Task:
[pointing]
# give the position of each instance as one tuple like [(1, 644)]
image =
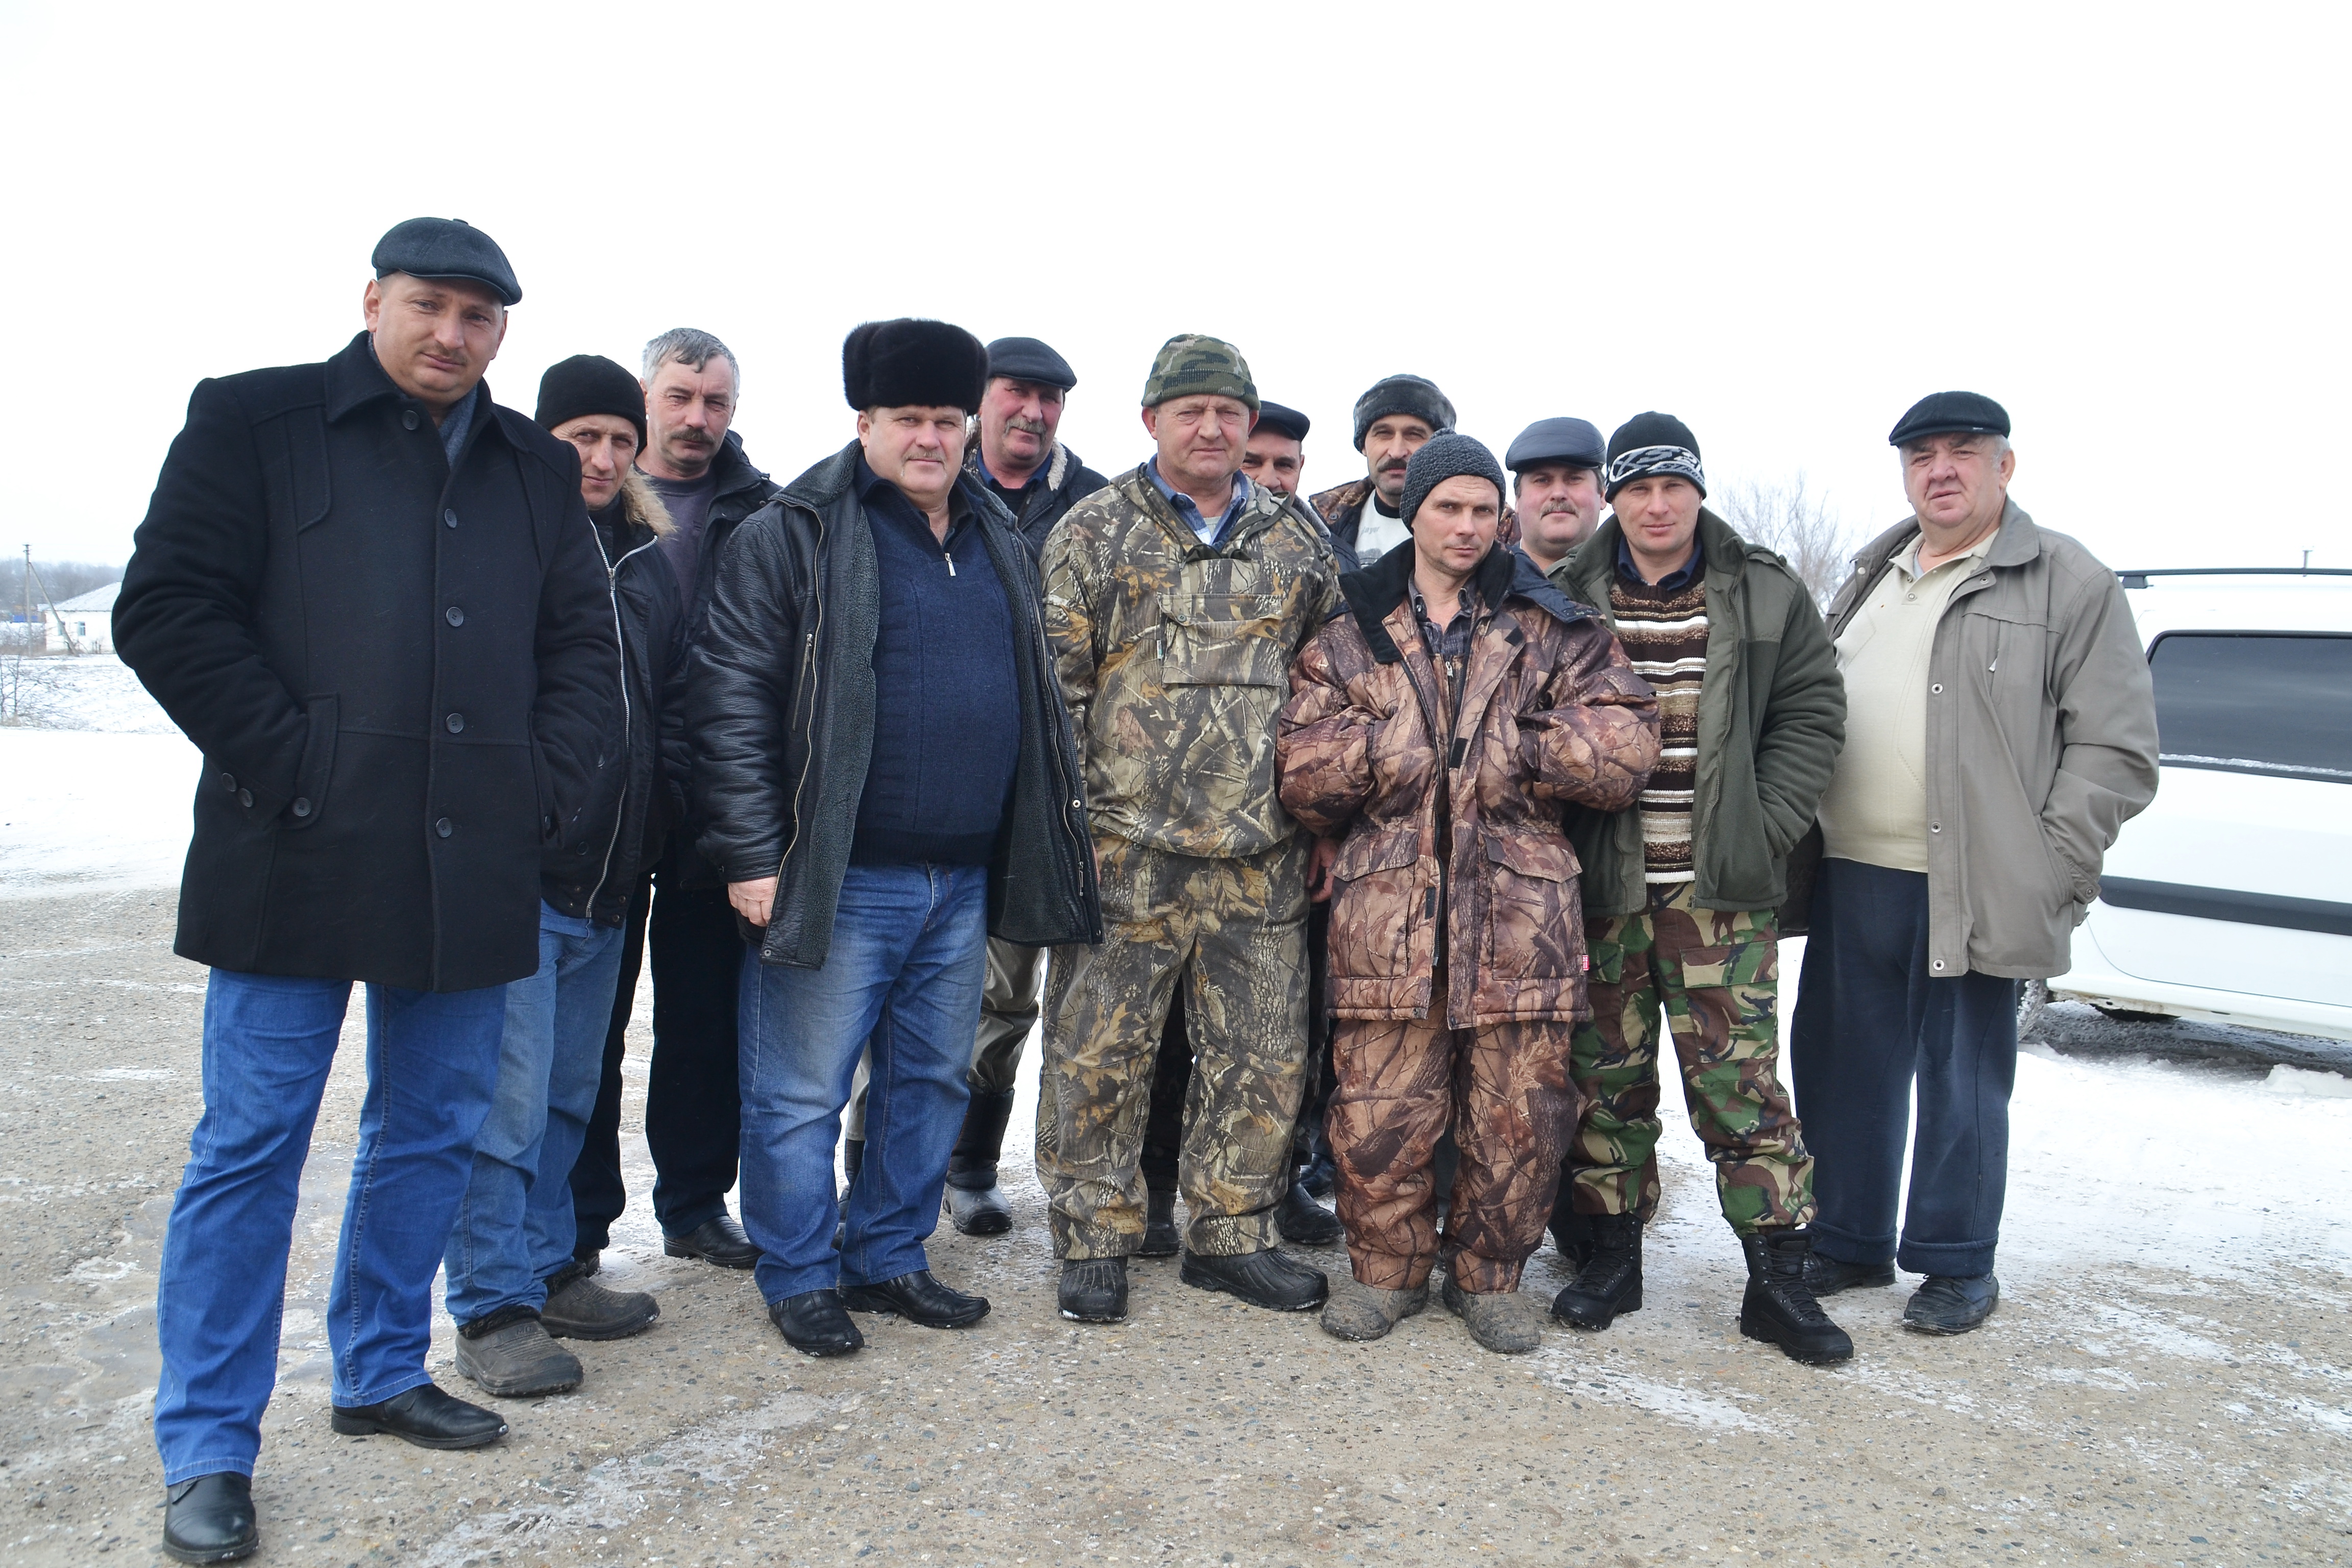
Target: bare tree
[(66, 579), (1796, 524)]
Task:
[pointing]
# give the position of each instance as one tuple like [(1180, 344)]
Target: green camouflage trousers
[(1234, 933), (1714, 975)]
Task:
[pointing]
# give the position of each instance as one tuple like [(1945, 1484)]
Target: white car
[(2230, 898)]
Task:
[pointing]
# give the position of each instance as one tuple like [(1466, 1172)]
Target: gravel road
[(2167, 1380)]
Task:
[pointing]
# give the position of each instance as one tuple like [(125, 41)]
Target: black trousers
[(1871, 1027), (693, 1097)]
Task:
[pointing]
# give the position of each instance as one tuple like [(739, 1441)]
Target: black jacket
[(781, 716), (594, 878), (743, 489), (403, 678), (1068, 481)]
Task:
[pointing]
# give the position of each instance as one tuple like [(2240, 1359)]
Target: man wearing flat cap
[(1175, 601), (1437, 728), (883, 772), (372, 598), (1275, 456), (1392, 418), (2001, 729), (1556, 485), (1680, 888)]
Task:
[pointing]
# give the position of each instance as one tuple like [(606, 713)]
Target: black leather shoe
[(919, 1299), (1610, 1280), (426, 1416), (1304, 1221), (1945, 1304), (814, 1323), (1828, 1276), (720, 1241), (1160, 1239), (1093, 1290), (1264, 1278), (210, 1519)]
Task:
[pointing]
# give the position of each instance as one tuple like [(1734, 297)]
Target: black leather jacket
[(781, 720)]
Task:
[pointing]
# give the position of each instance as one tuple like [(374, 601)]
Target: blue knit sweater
[(946, 713)]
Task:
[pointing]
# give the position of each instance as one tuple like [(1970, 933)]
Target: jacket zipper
[(808, 731), (611, 588)]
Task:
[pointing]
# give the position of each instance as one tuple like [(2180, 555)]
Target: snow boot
[(1505, 1322), (1358, 1312), (976, 1204), (1778, 1308), (1610, 1280), (1093, 1290), (1303, 1221), (1160, 1236)]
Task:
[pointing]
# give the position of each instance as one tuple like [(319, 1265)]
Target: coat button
[(1934, 827), (408, 418), (301, 806), (454, 615), (1938, 964), (449, 517), (442, 828), (456, 721), (1936, 690), (228, 783), (244, 798)]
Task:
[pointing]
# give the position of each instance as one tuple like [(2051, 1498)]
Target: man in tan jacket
[(2001, 729)]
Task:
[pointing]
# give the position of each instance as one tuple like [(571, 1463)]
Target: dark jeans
[(693, 1103), (1869, 1024)]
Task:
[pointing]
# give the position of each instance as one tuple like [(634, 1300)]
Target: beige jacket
[(2040, 744)]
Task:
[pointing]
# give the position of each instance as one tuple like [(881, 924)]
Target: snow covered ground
[(98, 782)]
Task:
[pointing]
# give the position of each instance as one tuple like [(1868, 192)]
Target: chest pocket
[(296, 471), (1223, 640)]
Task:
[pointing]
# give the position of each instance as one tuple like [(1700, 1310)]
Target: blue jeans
[(1871, 1022), (909, 958), (220, 1294), (514, 1225)]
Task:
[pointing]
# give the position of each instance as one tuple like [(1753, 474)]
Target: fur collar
[(641, 507)]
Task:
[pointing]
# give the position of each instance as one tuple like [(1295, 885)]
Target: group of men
[(1390, 832)]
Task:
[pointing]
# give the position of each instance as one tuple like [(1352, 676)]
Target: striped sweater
[(1664, 634)]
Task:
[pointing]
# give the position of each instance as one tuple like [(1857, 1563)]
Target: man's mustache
[(1030, 427)]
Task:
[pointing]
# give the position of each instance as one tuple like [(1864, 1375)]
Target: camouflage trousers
[(1505, 1091), (1715, 976), (1232, 934)]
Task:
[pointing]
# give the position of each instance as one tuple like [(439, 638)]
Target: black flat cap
[(913, 363), (1950, 414), (1030, 358), (1282, 421), (446, 247), (1562, 440)]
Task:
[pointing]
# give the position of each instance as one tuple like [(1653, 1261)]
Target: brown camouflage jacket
[(1550, 712), (1342, 509), (1171, 655)]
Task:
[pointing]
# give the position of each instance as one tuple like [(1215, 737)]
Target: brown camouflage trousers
[(1504, 1089), (1715, 976), (1232, 934)]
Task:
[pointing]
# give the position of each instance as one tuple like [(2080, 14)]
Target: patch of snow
[(92, 812), (2303, 1083)]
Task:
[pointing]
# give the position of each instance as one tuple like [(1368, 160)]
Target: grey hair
[(692, 347)]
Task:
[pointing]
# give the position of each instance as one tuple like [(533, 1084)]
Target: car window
[(2255, 702)]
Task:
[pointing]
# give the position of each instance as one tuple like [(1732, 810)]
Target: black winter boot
[(1610, 1280), (853, 1155), (975, 1204), (1305, 1222), (1159, 1236), (1779, 1308)]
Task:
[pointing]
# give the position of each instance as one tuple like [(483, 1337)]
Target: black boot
[(1160, 1237), (210, 1518), (1571, 1233), (1303, 1221), (975, 1203), (853, 1154), (1778, 1308), (1610, 1280)]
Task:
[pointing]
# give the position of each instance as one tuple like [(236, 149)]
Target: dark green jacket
[(1772, 719)]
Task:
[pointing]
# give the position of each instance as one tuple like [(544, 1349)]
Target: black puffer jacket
[(402, 674), (1037, 508), (781, 716), (594, 878)]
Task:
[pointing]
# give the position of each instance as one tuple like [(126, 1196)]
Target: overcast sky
[(1783, 223)]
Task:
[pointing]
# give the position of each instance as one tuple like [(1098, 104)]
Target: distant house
[(87, 618)]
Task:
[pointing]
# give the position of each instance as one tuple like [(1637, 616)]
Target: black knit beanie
[(1448, 455), (1414, 395), (589, 384), (1652, 443)]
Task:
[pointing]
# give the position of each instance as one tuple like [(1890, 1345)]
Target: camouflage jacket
[(1171, 656), (1549, 713), (1341, 508)]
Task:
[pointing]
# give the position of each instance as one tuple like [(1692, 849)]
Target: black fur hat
[(913, 363)]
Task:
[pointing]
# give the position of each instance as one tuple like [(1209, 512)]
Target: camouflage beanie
[(1192, 365), (1448, 455)]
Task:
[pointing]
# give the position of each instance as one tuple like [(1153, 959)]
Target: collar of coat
[(2018, 542), (827, 482), (1058, 467), (1592, 565), (1263, 510), (642, 508), (1341, 503), (1505, 574)]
